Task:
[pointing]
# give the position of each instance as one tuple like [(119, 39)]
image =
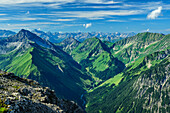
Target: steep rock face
[(24, 95), (153, 88), (130, 49), (29, 56)]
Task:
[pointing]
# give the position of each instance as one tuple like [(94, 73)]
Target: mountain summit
[(26, 36)]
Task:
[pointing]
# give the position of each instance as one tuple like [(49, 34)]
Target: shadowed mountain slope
[(30, 56)]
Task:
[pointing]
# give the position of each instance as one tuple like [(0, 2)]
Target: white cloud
[(147, 30), (27, 13), (30, 1), (4, 19), (32, 25), (46, 23), (91, 15), (138, 19), (93, 18), (98, 14), (154, 14), (116, 21), (43, 14), (87, 25), (63, 20), (100, 1), (26, 19), (22, 19), (2, 14), (69, 25)]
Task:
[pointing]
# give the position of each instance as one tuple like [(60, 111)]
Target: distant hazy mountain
[(6, 33), (80, 36)]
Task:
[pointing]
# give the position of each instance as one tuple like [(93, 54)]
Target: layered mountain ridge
[(80, 36)]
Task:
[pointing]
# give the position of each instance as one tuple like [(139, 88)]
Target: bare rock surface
[(27, 96)]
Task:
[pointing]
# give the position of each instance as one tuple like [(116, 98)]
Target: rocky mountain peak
[(27, 34)]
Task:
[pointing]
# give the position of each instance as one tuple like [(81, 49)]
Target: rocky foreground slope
[(18, 95)]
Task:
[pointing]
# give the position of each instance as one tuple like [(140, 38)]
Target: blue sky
[(86, 15)]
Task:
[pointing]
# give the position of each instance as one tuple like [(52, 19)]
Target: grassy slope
[(49, 68), (17, 62), (110, 95), (130, 49), (95, 57)]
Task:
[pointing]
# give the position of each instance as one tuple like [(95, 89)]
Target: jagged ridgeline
[(80, 36), (29, 56), (143, 86), (19, 95)]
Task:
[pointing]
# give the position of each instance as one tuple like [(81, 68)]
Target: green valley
[(95, 57)]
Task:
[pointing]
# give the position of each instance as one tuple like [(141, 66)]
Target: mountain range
[(80, 36), (102, 76), (58, 37)]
